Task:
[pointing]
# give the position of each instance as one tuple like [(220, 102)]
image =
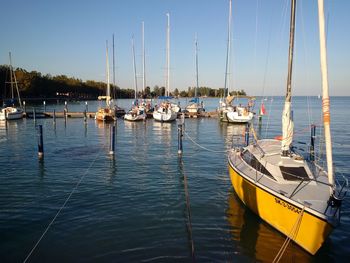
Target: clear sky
[(68, 37)]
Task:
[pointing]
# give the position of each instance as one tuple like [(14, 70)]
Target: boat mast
[(108, 92), (113, 63), (14, 79), (167, 81), (325, 95), (143, 59), (287, 122), (196, 59), (228, 51), (134, 66)]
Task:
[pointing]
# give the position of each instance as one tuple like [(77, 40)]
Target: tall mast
[(143, 58), (108, 92), (196, 60), (113, 63), (287, 122), (134, 66), (11, 76), (14, 79), (226, 85), (325, 95), (167, 81)]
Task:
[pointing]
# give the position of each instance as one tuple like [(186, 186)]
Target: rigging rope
[(188, 208), (64, 204), (204, 148)]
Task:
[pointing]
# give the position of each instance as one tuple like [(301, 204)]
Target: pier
[(62, 114)]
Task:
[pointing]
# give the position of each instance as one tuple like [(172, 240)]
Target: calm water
[(132, 207)]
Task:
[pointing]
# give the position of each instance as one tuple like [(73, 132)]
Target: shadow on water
[(257, 238)]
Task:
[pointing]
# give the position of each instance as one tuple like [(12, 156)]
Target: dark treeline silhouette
[(36, 85)]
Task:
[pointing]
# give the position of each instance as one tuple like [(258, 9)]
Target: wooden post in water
[(179, 139), (247, 134), (54, 116), (34, 114), (312, 146), (85, 116), (111, 140), (40, 142)]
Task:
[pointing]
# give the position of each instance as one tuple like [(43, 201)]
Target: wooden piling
[(112, 140), (34, 115), (179, 139), (54, 116), (312, 145), (40, 141), (247, 134)]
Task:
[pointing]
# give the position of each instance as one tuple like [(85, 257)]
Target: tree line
[(36, 85)]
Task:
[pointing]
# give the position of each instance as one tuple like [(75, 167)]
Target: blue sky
[(68, 37)]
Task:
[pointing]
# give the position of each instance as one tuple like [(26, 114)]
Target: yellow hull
[(309, 233), (104, 115)]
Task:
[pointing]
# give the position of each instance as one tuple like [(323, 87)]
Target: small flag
[(262, 110)]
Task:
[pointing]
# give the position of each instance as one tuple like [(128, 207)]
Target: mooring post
[(44, 102), (65, 106), (247, 134), (54, 116), (112, 139), (312, 146), (179, 139), (40, 142), (86, 106), (85, 116), (34, 114)]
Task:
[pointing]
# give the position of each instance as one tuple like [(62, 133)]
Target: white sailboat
[(106, 113), (228, 112), (166, 111), (146, 104), (195, 106), (136, 113), (292, 193), (9, 110)]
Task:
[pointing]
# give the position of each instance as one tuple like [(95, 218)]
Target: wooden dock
[(209, 114)]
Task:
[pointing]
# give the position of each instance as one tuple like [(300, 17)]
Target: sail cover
[(287, 127)]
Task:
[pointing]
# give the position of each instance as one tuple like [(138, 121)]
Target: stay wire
[(61, 208)]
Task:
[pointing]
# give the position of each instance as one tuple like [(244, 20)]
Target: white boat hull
[(135, 117), (11, 113), (165, 116)]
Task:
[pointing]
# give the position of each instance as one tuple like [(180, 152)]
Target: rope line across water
[(200, 146), (64, 204)]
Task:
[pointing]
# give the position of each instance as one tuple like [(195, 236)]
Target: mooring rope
[(291, 236), (64, 204), (188, 208), (200, 146)]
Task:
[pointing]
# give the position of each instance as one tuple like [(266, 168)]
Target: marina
[(139, 212), (163, 132)]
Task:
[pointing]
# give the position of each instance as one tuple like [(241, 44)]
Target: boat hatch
[(294, 173), (251, 160)]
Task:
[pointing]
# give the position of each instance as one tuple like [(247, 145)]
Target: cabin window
[(294, 173), (254, 163)]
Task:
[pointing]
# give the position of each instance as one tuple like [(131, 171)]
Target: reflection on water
[(256, 237), (233, 133)]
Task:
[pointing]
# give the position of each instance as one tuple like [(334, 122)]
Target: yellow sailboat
[(106, 113), (294, 195)]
